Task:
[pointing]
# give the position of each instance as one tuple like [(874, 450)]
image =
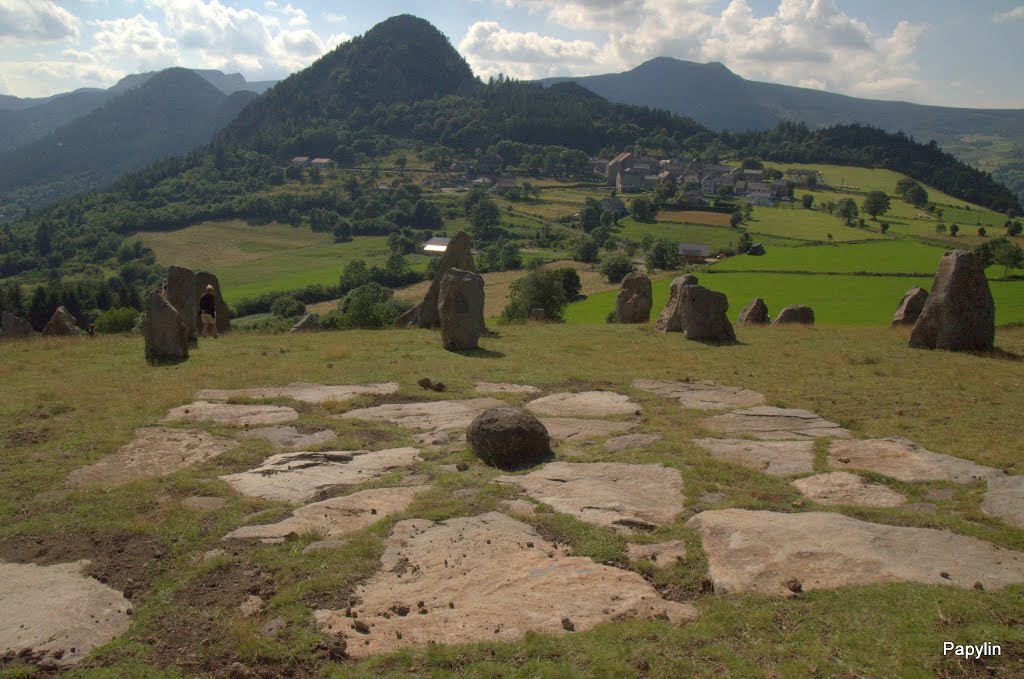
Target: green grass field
[(837, 300), (250, 260), (880, 256), (186, 619)]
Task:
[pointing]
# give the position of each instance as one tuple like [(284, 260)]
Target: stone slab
[(232, 415), (290, 436), (302, 391), (484, 578), (1005, 499), (905, 460), (574, 428), (775, 458), (770, 423), (428, 415), (771, 553), (297, 477), (612, 494), (505, 388), (702, 395), (56, 612), (336, 517), (584, 404), (152, 452), (843, 488)]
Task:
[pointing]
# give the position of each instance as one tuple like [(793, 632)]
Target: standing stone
[(459, 255), (308, 323), (798, 314), (203, 279), (61, 324), (181, 289), (698, 313), (166, 331), (460, 308), (910, 307), (755, 313), (688, 279), (960, 314), (633, 305), (12, 327)]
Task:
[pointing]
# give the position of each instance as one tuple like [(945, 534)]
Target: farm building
[(437, 245), (694, 253)]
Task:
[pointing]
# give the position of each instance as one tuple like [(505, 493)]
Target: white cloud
[(1015, 14), (135, 43), (334, 18), (810, 43), (36, 20), (491, 49)]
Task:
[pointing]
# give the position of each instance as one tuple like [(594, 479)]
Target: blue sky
[(949, 52)]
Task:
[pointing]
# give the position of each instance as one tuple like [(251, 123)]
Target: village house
[(437, 245), (300, 161), (322, 163), (618, 164), (694, 253), (627, 182)]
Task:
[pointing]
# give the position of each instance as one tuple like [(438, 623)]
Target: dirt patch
[(26, 436), (127, 562)]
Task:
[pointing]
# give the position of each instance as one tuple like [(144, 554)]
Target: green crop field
[(715, 236), (865, 179), (813, 225), (836, 299), (880, 256), (250, 260)]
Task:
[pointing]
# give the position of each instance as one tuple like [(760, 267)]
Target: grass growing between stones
[(68, 403)]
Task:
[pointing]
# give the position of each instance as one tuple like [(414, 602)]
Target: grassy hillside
[(186, 619)]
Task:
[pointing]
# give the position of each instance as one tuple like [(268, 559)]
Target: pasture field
[(793, 221), (186, 608), (716, 236), (865, 179), (837, 300), (250, 260), (694, 217), (879, 256)]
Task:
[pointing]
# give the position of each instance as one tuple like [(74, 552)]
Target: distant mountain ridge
[(720, 99), (171, 113)]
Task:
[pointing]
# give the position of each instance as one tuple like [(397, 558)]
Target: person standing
[(208, 312)]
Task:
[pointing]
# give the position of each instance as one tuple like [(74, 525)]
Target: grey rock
[(960, 314), (798, 314), (910, 307), (755, 313), (12, 327), (181, 287), (61, 324), (633, 304), (460, 309), (459, 255), (698, 313), (166, 331), (308, 323), (509, 438)]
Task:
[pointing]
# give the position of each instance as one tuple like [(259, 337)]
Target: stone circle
[(584, 404), (302, 391), (486, 577), (702, 395), (770, 423), (612, 494), (297, 477), (765, 552), (843, 488), (775, 458), (903, 459), (231, 414), (153, 451), (335, 517)]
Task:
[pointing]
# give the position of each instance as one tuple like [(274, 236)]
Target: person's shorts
[(208, 319)]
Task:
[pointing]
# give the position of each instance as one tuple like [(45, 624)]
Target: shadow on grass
[(478, 353), (1000, 354)]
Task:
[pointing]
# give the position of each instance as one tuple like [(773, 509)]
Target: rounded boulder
[(509, 438)]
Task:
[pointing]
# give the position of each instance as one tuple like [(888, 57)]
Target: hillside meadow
[(186, 620)]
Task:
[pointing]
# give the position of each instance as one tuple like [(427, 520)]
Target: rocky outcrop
[(910, 307), (203, 279), (166, 331), (509, 438), (308, 323), (460, 309), (12, 327), (960, 314), (633, 304), (458, 255), (795, 315), (61, 324), (755, 313), (181, 293), (698, 313)]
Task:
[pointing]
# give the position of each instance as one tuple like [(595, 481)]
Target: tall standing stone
[(698, 313), (755, 313), (203, 279), (460, 308), (61, 324), (910, 307), (633, 304), (12, 327), (181, 294), (458, 255), (165, 330), (960, 314), (795, 315)]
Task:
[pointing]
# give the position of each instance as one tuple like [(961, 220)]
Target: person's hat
[(209, 288)]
